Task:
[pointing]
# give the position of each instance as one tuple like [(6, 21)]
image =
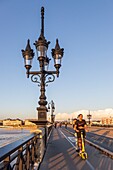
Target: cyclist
[(74, 121), (76, 141), (80, 126), (66, 124)]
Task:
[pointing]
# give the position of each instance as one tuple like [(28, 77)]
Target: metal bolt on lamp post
[(42, 77), (51, 108)]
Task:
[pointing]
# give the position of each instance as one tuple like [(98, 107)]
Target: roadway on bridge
[(61, 155)]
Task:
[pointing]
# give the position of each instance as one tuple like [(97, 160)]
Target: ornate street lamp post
[(43, 76), (51, 108), (89, 116)]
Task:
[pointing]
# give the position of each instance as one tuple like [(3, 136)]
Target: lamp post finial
[(42, 21)]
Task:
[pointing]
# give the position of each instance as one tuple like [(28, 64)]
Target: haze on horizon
[(96, 115)]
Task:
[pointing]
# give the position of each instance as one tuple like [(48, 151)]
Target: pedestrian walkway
[(61, 155)]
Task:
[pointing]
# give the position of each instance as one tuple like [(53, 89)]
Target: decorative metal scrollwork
[(36, 79), (50, 78)]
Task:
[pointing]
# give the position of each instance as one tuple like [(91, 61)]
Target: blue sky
[(85, 31)]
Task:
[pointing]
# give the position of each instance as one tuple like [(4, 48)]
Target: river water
[(9, 135)]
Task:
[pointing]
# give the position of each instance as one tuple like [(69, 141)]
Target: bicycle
[(83, 154)]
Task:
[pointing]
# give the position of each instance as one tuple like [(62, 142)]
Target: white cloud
[(98, 114)]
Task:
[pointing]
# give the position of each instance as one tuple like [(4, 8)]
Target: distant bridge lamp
[(51, 108), (89, 116)]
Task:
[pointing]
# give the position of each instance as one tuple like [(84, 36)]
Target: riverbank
[(19, 127)]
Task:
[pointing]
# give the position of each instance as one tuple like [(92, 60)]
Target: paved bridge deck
[(61, 155)]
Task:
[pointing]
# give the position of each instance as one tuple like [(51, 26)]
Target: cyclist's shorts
[(79, 134)]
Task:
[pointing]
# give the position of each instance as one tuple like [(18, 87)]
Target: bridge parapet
[(25, 153)]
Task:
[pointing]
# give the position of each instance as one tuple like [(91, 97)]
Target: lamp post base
[(40, 123), (42, 117), (42, 113)]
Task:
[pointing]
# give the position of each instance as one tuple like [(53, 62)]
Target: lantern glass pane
[(41, 51), (57, 61), (46, 65), (28, 60)]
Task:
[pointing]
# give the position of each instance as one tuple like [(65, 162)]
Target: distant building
[(29, 123), (95, 122), (107, 121), (1, 122), (12, 122)]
